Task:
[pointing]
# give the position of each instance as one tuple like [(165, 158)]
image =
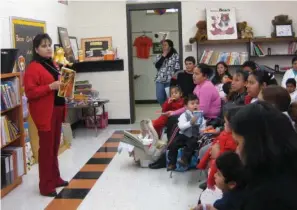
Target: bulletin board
[(23, 33)]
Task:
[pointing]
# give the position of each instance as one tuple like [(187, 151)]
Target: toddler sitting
[(190, 123), (173, 103), (224, 142)]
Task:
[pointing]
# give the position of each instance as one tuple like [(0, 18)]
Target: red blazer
[(226, 142), (174, 105), (40, 97)]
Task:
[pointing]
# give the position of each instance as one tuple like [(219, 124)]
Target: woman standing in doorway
[(47, 111), (166, 64)]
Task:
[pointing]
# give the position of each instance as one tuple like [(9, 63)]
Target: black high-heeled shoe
[(52, 194), (64, 184)]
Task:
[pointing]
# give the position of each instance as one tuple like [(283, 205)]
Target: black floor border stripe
[(81, 193)]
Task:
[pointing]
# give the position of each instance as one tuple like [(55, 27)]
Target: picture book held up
[(67, 80)]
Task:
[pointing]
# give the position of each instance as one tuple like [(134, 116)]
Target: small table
[(91, 104)]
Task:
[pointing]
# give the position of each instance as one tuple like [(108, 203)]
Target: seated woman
[(221, 77), (266, 143), (210, 104), (257, 81), (292, 73), (209, 98)]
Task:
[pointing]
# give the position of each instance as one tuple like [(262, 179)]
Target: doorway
[(142, 71)]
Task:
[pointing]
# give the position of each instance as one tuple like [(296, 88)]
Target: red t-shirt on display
[(143, 45)]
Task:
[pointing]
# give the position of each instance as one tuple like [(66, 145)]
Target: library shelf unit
[(247, 43), (15, 114)]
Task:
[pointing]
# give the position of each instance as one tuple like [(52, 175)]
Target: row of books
[(292, 49), (10, 93), (9, 130), (12, 165), (256, 49), (212, 57)]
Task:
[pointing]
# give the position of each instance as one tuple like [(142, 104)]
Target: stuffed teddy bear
[(247, 33), (281, 20), (240, 28), (201, 33)]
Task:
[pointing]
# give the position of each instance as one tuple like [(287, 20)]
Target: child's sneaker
[(184, 163), (171, 167)]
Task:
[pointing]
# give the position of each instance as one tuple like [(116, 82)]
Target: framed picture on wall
[(284, 30), (221, 23), (66, 44), (94, 48), (74, 46)]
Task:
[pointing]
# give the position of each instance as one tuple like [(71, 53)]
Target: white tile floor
[(123, 185)]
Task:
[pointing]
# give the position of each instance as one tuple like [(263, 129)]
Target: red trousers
[(159, 124), (49, 143)]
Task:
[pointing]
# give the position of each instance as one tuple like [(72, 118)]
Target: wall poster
[(221, 23)]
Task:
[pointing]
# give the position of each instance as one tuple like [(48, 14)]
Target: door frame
[(139, 7)]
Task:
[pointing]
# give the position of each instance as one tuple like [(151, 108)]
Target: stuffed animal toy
[(240, 28), (247, 33), (281, 20), (244, 31), (59, 57), (201, 33)]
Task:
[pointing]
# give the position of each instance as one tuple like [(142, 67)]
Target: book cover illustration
[(29, 153), (67, 80), (221, 24)]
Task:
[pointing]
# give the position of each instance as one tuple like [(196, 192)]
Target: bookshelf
[(246, 45), (12, 133)]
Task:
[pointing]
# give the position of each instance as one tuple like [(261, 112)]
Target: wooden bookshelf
[(271, 39), (227, 41), (247, 43), (16, 115)]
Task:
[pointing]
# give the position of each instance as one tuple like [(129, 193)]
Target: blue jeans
[(161, 93)]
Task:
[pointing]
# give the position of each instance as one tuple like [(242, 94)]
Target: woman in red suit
[(47, 111)]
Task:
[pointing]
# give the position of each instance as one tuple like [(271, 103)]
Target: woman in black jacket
[(267, 145)]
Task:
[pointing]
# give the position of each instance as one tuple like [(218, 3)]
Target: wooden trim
[(147, 6), (146, 102), (9, 188), (276, 39), (227, 41), (9, 75), (119, 121)]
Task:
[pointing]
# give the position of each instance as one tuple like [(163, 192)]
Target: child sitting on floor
[(238, 88), (173, 103), (190, 125), (224, 142), (230, 179), (291, 88)]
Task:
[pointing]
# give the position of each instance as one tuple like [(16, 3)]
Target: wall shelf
[(247, 43), (229, 41), (99, 66)]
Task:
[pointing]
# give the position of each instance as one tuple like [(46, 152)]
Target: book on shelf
[(10, 93), (9, 130), (28, 149), (292, 49), (12, 165), (256, 49), (211, 57)]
